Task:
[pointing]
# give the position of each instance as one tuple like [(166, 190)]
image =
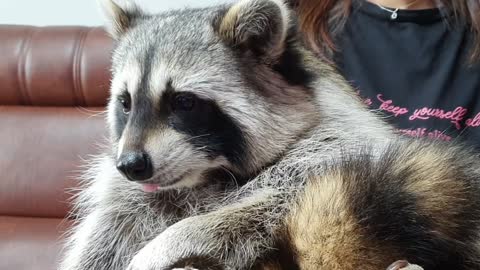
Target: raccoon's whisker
[(202, 148), (91, 113), (196, 137), (231, 175)]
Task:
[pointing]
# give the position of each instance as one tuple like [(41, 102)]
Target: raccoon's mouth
[(151, 186)]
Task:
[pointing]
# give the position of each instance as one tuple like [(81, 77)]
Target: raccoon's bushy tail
[(419, 202)]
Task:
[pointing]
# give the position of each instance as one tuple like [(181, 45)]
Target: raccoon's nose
[(136, 166)]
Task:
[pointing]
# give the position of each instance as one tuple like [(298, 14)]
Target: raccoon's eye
[(184, 102), (125, 101)]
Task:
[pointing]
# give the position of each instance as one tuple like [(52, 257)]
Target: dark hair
[(321, 20)]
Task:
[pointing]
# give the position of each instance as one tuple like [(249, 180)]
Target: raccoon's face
[(200, 90)]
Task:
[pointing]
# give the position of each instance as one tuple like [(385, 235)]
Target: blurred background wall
[(76, 12)]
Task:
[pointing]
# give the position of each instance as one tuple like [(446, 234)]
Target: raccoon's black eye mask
[(208, 127), (183, 102), (185, 111)]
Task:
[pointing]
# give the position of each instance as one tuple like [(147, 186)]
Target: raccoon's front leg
[(112, 227), (101, 241), (234, 236)]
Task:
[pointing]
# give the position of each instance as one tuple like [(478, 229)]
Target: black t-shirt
[(415, 69)]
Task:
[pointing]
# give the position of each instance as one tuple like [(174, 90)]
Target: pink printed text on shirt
[(455, 116), (388, 106)]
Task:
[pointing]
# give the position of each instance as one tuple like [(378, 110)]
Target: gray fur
[(301, 127)]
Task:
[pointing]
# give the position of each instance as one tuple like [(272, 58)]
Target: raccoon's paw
[(170, 250), (403, 265), (186, 244)]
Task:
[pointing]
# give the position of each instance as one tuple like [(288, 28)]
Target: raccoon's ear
[(119, 18), (260, 26)]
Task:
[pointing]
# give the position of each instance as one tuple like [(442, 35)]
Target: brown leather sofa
[(53, 83)]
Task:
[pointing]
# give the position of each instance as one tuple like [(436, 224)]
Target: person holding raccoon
[(233, 145), (415, 60)]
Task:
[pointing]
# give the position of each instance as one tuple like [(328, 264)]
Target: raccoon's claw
[(403, 265)]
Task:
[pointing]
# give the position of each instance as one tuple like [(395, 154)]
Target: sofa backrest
[(53, 87)]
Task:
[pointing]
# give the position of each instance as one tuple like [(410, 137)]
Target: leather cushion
[(54, 66), (30, 243), (41, 154)]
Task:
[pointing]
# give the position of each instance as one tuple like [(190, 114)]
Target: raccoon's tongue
[(149, 188)]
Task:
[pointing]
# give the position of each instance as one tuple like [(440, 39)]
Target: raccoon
[(234, 147)]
